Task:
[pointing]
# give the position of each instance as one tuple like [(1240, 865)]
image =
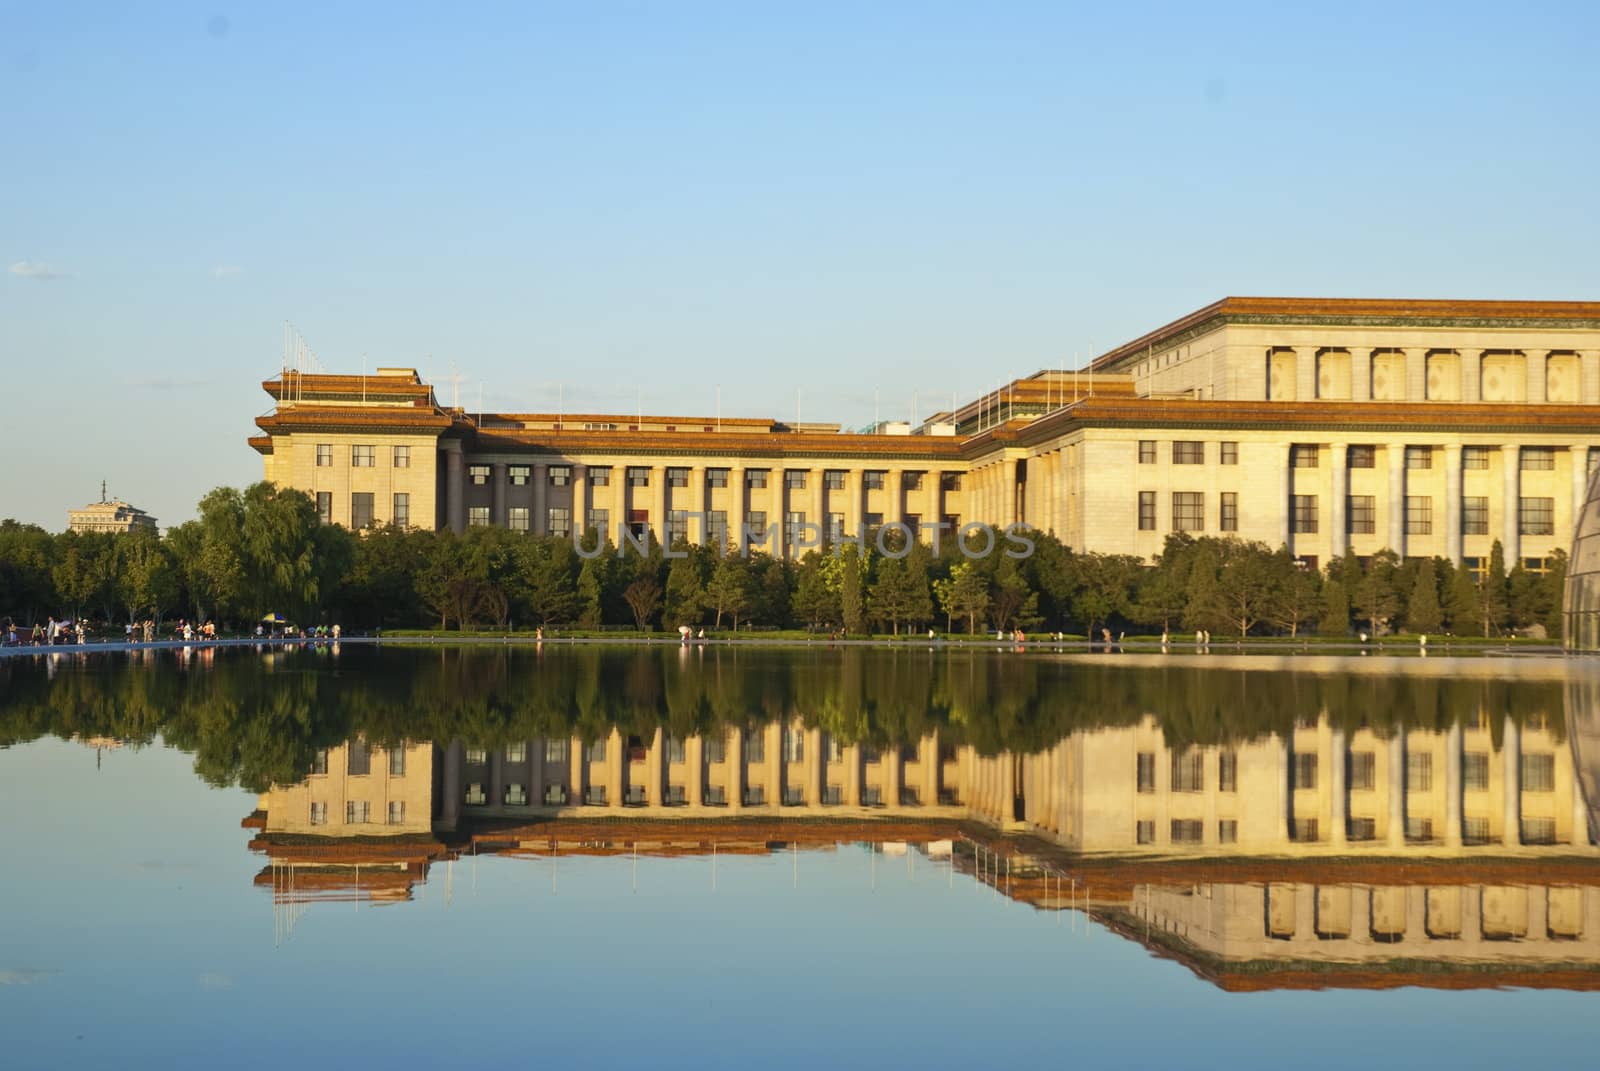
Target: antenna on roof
[(719, 406), (102, 490)]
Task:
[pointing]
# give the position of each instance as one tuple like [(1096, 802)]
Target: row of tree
[(262, 551)]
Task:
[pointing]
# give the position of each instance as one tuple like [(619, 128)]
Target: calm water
[(733, 858)]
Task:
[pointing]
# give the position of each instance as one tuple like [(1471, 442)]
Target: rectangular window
[(755, 748), (397, 812), (560, 521), (794, 479), (715, 749), (1147, 511), (401, 512), (1187, 831), (1419, 457), (951, 481), (1419, 829), (1228, 831), (1147, 451), (599, 519), (357, 812), (1474, 831), (478, 516), (319, 814), (716, 477), (1363, 775), (1146, 769), (1419, 771), (1305, 514), (638, 476), (1538, 831), (835, 526), (1304, 772), (1419, 515), (833, 480), (600, 477), (911, 481), (677, 477), (402, 457), (1475, 771), (1363, 457), (325, 507), (1303, 830), (397, 762), (362, 457), (1188, 452), (756, 479), (560, 475), (1229, 453), (1361, 511), (1227, 771), (478, 474), (1304, 455), (1363, 829), (755, 524), (517, 752), (1188, 511), (717, 527), (319, 761), (1229, 512), (1474, 457), (597, 751), (477, 756), (873, 480), (794, 745), (324, 455), (517, 518), (1536, 516), (1538, 773), (556, 751), (792, 523), (1475, 515), (677, 526), (520, 475), (361, 509), (1145, 831), (1538, 458), (1188, 771)]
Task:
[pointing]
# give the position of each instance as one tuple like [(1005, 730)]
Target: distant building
[(109, 515)]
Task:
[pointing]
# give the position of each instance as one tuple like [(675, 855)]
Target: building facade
[(109, 515), (1330, 426)]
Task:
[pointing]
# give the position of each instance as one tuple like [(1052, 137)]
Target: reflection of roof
[(688, 837)]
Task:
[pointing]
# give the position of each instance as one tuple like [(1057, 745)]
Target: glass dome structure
[(1581, 601)]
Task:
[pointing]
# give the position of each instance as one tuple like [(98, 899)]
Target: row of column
[(1468, 388)]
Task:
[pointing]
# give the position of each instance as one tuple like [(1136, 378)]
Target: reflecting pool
[(734, 857)]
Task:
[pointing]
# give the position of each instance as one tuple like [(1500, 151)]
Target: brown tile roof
[(323, 384), (365, 418), (763, 447)]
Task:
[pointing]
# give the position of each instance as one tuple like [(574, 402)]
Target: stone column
[(1589, 367), (1471, 375), (1285, 490), (658, 505), (619, 503), (1416, 374), (1397, 498), (580, 499), (1305, 373), (1511, 782), (1397, 790), (539, 524), (1008, 506), (819, 501), (854, 479), (498, 513), (1360, 374), (1580, 481), (1511, 515), (777, 497), (1452, 786), (455, 499), (932, 483), (699, 501), (1340, 526), (1535, 361), (1452, 502), (736, 513), (894, 484)]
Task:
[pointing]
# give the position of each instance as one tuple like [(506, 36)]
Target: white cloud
[(23, 975), (225, 271), (33, 269)]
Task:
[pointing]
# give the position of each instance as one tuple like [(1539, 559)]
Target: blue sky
[(643, 201)]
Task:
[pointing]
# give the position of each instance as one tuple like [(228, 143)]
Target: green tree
[(728, 591), (147, 580), (1463, 608), (964, 594), (643, 597), (852, 590), (1011, 602), (1376, 598), (1423, 612), (1296, 593), (1493, 598), (685, 595), (1246, 588)]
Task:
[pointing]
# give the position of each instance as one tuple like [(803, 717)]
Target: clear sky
[(644, 201)]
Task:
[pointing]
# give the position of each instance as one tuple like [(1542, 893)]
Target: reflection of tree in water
[(253, 721)]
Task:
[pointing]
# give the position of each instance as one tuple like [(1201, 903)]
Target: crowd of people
[(52, 632)]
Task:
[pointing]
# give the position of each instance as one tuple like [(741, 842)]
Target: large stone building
[(109, 515), (1329, 426)]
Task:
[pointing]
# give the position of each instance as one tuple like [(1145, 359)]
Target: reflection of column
[(1361, 915), (1008, 787), (536, 771), (1510, 463), (694, 769), (774, 733), (616, 760), (1338, 756), (1397, 789), (1339, 527), (454, 758), (1539, 912), (1397, 498), (1511, 782), (892, 775), (735, 764), (497, 777), (1452, 502), (852, 775), (654, 773), (577, 771), (1452, 786), (816, 767), (1580, 811), (1285, 793), (929, 760)]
